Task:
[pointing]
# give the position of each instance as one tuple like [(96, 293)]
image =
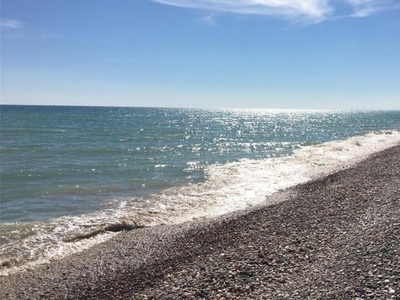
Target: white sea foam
[(239, 185), (227, 188)]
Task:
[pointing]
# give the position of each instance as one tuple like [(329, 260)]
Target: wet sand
[(337, 237)]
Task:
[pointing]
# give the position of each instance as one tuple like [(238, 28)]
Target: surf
[(226, 188)]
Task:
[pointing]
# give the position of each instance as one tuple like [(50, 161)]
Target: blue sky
[(339, 54)]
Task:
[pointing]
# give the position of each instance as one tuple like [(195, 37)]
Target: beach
[(336, 237)]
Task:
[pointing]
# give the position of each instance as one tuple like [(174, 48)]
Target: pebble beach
[(337, 237)]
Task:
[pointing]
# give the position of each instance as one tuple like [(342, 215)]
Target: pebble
[(332, 238)]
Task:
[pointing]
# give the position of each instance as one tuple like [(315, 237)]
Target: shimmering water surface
[(69, 169)]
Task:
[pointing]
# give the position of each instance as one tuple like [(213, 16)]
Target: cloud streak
[(293, 10), (364, 8), (10, 24)]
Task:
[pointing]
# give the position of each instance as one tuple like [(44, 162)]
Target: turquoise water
[(70, 160), (68, 170)]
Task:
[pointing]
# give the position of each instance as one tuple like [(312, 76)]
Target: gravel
[(337, 237)]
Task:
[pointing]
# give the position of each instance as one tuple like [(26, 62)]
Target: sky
[(294, 54)]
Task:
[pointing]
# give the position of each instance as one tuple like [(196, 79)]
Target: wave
[(228, 187)]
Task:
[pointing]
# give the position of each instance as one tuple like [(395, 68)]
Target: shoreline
[(334, 237), (225, 188)]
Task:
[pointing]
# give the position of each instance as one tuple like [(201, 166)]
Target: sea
[(71, 176)]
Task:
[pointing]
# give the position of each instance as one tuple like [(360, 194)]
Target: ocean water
[(71, 171)]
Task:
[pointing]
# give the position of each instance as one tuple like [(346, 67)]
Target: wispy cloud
[(10, 24), (293, 10), (209, 20), (290, 9), (364, 8)]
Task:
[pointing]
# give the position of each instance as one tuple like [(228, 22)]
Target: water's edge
[(228, 188)]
